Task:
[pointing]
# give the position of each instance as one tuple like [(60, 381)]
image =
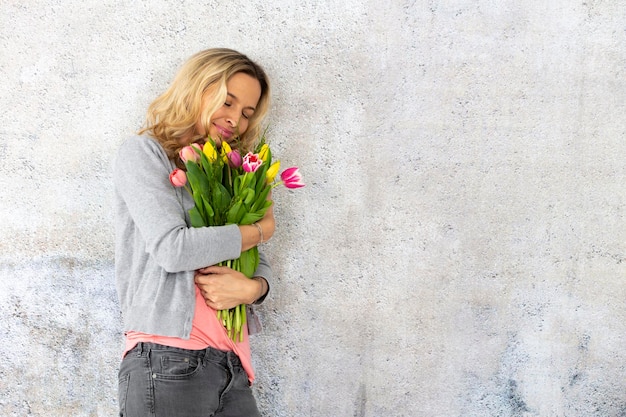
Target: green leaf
[(196, 218), (220, 197), (252, 182), (249, 261), (197, 199), (248, 196), (197, 178), (207, 207), (250, 218), (193, 176), (262, 180), (213, 169), (233, 216), (227, 174), (245, 181), (237, 185), (261, 198)]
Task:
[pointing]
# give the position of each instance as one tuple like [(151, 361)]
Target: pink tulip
[(234, 159), (292, 178), (251, 162), (178, 178), (189, 153)]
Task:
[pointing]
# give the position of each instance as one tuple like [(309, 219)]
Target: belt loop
[(139, 348)]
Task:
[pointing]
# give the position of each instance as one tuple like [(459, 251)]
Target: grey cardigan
[(156, 251)]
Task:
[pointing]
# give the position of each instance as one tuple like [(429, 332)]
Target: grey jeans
[(162, 381)]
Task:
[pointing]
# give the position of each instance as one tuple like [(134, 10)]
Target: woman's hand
[(224, 288)]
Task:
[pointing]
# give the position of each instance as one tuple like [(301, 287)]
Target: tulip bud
[(264, 152), (189, 153), (210, 152), (226, 149), (234, 159), (251, 162), (178, 178), (272, 171), (292, 178)]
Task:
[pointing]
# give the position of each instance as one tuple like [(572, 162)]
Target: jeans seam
[(230, 382), (151, 400)]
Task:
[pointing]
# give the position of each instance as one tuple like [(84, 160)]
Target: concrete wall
[(459, 249)]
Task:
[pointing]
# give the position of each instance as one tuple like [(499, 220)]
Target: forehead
[(244, 88)]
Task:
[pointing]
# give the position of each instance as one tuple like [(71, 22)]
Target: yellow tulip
[(272, 171), (225, 151), (226, 148), (210, 152), (264, 152)]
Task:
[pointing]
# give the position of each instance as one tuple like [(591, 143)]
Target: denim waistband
[(210, 354)]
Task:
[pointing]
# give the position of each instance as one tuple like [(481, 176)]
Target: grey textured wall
[(460, 247)]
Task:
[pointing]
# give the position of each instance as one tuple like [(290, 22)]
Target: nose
[(232, 117)]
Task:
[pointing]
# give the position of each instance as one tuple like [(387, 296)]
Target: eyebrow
[(234, 97)]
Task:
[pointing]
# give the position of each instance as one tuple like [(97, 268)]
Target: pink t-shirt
[(206, 331)]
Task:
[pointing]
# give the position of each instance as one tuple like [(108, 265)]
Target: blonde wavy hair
[(173, 115)]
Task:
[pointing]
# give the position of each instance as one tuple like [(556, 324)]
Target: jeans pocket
[(175, 365), (122, 393)]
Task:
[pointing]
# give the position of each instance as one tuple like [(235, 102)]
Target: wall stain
[(361, 401), (514, 399)]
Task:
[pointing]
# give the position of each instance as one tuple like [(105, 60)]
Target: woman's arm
[(150, 209), (224, 288), (253, 235)]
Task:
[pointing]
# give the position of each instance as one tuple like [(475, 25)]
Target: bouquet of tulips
[(230, 189)]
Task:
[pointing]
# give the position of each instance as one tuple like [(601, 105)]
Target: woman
[(179, 360)]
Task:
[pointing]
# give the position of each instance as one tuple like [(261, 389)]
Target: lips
[(223, 132)]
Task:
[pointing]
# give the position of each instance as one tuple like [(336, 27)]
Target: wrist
[(261, 291), (268, 226), (260, 230), (250, 236)]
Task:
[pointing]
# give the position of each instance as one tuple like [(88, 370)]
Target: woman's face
[(232, 119)]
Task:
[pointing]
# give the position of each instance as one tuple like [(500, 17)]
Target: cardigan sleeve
[(265, 271), (153, 209)]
